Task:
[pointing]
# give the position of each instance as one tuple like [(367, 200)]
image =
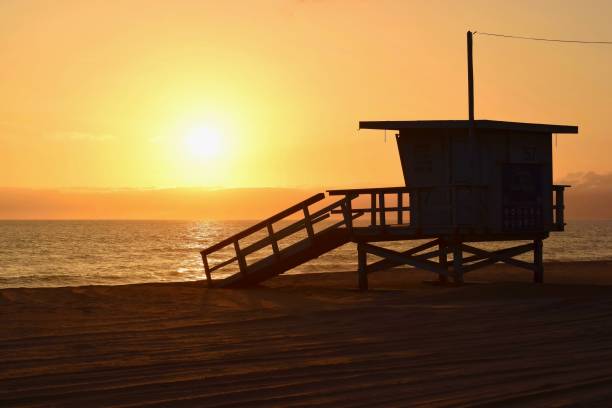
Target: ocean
[(73, 253)]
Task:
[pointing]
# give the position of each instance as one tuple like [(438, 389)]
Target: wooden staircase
[(281, 260)]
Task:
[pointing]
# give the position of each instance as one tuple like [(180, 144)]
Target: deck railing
[(410, 203), (378, 209), (273, 237)]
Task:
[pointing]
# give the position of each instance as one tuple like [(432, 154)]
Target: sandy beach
[(313, 340)]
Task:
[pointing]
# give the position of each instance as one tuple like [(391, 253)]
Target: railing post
[(559, 207), (308, 223), (373, 209), (348, 214), (273, 240), (241, 261), (400, 204), (381, 201), (206, 270)]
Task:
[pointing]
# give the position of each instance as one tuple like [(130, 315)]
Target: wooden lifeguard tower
[(466, 181)]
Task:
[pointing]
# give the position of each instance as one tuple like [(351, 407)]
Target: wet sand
[(313, 340)]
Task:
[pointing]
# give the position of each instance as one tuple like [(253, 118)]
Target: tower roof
[(465, 124)]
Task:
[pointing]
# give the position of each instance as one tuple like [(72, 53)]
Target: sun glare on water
[(204, 142)]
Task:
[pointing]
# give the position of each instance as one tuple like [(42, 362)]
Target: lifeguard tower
[(466, 181)]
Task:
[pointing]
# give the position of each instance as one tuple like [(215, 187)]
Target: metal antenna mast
[(470, 78)]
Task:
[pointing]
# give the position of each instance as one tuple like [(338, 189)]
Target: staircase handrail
[(263, 224)]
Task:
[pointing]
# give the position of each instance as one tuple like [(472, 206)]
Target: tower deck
[(388, 214)]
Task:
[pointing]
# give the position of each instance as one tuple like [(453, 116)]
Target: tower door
[(522, 197)]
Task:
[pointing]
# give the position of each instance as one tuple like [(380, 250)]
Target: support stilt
[(458, 263), (361, 267), (538, 265), (443, 259)]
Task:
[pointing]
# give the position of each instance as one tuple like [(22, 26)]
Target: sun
[(204, 142)]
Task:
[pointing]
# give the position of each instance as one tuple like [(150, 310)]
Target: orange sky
[(105, 94)]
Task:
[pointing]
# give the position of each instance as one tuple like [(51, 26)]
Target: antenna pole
[(470, 77)]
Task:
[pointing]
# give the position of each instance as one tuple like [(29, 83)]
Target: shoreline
[(290, 274)]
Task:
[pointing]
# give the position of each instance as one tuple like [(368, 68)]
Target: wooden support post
[(381, 202), (241, 261), (372, 209), (275, 248), (415, 210), (308, 223), (443, 259), (458, 263), (400, 204), (206, 270), (453, 197), (538, 264), (362, 259)]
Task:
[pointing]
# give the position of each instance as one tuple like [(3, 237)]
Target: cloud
[(590, 195), (77, 135), (589, 180), (175, 203), (12, 129)]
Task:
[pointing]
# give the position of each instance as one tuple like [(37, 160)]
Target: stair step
[(289, 258)]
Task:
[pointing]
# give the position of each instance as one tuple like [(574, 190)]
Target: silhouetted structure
[(465, 182)]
